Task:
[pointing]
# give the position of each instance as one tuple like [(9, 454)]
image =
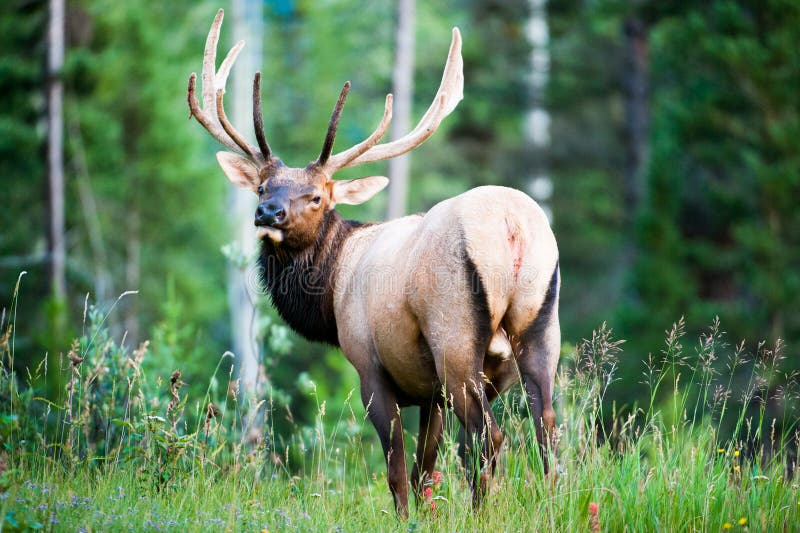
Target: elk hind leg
[(537, 356)]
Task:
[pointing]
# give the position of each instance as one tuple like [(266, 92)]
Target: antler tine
[(210, 64), (451, 91), (258, 119), (327, 146), (205, 120), (231, 131), (221, 79), (210, 117), (343, 159)]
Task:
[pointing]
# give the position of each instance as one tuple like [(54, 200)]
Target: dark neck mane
[(300, 283)]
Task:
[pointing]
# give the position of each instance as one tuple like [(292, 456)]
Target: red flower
[(594, 520), (437, 478), (433, 506), (428, 493)]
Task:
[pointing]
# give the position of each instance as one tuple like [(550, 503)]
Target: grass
[(123, 450), (688, 490)]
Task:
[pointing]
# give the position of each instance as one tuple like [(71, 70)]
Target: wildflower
[(736, 468), (721, 450), (742, 521), (427, 493), (727, 525), (594, 520), (437, 478), (736, 453), (433, 506)]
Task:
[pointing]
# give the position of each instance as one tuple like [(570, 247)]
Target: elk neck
[(301, 282)]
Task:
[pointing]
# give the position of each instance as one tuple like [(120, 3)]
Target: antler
[(451, 91), (327, 146), (212, 116), (258, 118)]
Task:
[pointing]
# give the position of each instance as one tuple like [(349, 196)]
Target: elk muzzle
[(271, 213)]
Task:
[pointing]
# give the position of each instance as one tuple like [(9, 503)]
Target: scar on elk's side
[(516, 244)]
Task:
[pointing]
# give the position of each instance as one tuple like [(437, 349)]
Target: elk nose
[(269, 214)]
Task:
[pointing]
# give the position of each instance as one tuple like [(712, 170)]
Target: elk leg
[(482, 434), (538, 359), (380, 401), (431, 424)]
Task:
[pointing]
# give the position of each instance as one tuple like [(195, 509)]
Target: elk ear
[(239, 170), (358, 191)]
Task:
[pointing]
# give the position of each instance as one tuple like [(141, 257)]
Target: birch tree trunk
[(403, 90), (55, 147), (247, 24), (537, 123)]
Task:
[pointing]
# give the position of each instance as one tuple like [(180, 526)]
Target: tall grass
[(123, 449)]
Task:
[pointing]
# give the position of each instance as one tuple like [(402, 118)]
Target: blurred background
[(661, 136)]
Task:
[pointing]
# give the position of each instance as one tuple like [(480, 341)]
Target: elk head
[(293, 201)]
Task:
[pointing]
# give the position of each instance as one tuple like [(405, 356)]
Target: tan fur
[(400, 280)]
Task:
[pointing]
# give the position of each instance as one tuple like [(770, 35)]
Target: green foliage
[(177, 343), (22, 47), (586, 159), (714, 232), (143, 207), (145, 163), (718, 231)]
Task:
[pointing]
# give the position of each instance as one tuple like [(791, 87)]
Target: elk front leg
[(431, 424), (380, 401)]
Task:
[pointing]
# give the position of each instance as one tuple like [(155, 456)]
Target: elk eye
[(260, 189), (316, 199)]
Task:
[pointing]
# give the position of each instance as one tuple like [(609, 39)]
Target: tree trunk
[(55, 148), (537, 120), (247, 24), (403, 89)]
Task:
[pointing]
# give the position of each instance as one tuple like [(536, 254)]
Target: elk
[(445, 309)]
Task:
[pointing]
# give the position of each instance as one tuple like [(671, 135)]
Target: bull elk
[(449, 308)]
